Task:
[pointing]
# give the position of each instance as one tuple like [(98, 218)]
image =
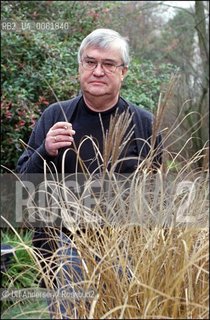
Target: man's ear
[(124, 72)]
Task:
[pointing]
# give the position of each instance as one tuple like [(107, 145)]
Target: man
[(63, 128), (103, 60)]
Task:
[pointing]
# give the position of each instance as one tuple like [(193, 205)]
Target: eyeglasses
[(108, 67)]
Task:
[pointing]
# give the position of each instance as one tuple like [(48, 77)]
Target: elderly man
[(103, 60), (63, 127)]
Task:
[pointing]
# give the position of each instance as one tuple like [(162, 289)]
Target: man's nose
[(98, 70)]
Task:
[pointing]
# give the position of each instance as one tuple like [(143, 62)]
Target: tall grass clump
[(142, 239)]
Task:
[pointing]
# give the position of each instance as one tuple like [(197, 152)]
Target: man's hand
[(59, 136)]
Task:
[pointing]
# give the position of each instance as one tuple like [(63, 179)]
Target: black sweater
[(31, 161), (82, 119)]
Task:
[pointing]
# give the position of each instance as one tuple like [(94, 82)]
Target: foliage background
[(41, 67)]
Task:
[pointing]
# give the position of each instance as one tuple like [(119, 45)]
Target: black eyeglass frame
[(102, 66)]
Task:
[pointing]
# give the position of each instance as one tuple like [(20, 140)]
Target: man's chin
[(95, 93)]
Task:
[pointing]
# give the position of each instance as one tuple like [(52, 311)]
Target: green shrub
[(21, 273), (40, 67), (145, 81)]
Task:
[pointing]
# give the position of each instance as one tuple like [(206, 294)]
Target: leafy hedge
[(40, 67)]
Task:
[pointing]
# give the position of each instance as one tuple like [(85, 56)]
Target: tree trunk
[(201, 27)]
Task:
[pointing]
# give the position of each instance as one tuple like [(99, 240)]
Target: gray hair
[(105, 39)]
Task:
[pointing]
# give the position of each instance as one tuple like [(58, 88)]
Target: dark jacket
[(31, 161)]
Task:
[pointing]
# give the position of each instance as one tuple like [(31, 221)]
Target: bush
[(37, 68), (40, 67), (145, 81), (21, 273)]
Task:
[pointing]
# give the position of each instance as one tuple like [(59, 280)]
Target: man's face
[(98, 82)]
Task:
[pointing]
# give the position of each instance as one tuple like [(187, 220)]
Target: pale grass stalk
[(93, 305), (136, 229)]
